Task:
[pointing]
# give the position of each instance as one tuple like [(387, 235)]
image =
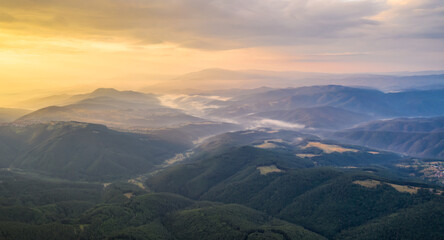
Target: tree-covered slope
[(35, 208), (419, 222), (323, 199), (194, 179), (420, 137), (82, 151), (123, 109), (360, 100)]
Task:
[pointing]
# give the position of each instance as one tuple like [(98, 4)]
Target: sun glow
[(84, 44)]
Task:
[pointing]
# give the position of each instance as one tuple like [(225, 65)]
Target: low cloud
[(271, 123), (195, 105)]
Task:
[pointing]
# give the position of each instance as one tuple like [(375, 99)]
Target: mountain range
[(325, 117), (324, 200), (420, 137), (73, 150), (112, 108), (216, 78), (318, 162), (365, 101)]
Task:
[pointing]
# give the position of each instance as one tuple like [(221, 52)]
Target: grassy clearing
[(329, 148), (269, 169)]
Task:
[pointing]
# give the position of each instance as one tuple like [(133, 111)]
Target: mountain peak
[(104, 91)]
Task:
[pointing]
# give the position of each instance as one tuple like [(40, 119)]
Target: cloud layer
[(219, 24)]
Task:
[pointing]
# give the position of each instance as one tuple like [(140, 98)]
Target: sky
[(54, 45)]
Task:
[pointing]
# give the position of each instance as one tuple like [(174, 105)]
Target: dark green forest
[(223, 196)]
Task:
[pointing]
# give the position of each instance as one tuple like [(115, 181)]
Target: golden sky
[(49, 46)]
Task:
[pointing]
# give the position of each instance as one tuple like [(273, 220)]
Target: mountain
[(38, 208), (73, 150), (11, 114), (216, 78), (252, 199), (403, 225), (254, 137), (317, 117), (193, 133), (131, 96), (122, 109), (360, 100), (41, 102), (308, 147), (233, 92), (69, 180), (195, 179), (322, 199), (168, 167), (421, 137), (433, 124), (168, 216), (66, 99)]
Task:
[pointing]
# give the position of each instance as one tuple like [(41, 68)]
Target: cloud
[(302, 33), (218, 24), (195, 105), (413, 19), (271, 123)]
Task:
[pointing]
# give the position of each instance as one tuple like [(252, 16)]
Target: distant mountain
[(81, 151), (234, 92), (365, 101), (131, 96), (215, 78), (123, 109), (11, 114), (433, 124), (41, 102), (317, 117), (421, 137)]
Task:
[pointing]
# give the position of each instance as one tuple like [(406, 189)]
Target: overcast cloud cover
[(222, 24), (190, 35)]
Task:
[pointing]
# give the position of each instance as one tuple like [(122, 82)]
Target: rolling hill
[(322, 199), (403, 225), (433, 124), (216, 78), (360, 100), (421, 137), (75, 150), (123, 109), (36, 208), (305, 146)]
